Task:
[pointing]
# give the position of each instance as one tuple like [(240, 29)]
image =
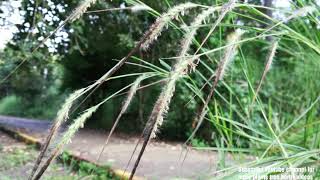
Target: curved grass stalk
[(78, 123), (62, 116), (71, 128), (124, 108), (229, 55), (226, 8), (267, 67), (189, 36)]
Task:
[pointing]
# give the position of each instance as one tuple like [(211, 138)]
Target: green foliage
[(85, 169), (11, 105), (17, 157)]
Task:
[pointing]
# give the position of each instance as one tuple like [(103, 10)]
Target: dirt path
[(161, 160), (16, 160)]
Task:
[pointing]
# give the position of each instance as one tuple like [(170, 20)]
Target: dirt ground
[(162, 160), (16, 161)]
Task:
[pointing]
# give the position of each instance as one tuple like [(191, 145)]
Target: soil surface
[(16, 161), (160, 161)]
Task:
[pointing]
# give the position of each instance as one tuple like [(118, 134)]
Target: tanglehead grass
[(265, 130)]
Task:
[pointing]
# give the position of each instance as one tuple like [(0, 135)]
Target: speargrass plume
[(270, 57), (164, 20), (162, 106), (139, 7), (229, 55), (62, 115), (76, 125), (188, 37), (226, 8), (81, 9), (124, 108)]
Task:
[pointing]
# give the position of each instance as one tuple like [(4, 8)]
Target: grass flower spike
[(164, 20)]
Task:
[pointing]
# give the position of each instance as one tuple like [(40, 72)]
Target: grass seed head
[(164, 20), (191, 32), (82, 8)]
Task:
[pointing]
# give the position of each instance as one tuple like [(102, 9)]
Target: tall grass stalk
[(226, 8), (124, 108), (229, 55), (270, 57), (180, 68), (62, 116), (74, 127), (151, 34)]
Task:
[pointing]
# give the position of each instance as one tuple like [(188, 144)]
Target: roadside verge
[(37, 143)]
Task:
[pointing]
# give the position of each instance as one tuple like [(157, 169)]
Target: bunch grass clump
[(185, 64)]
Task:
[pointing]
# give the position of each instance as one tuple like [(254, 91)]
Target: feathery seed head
[(82, 8), (139, 7), (230, 52), (63, 113), (187, 40), (77, 124), (271, 55), (163, 21), (161, 106), (132, 92)]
